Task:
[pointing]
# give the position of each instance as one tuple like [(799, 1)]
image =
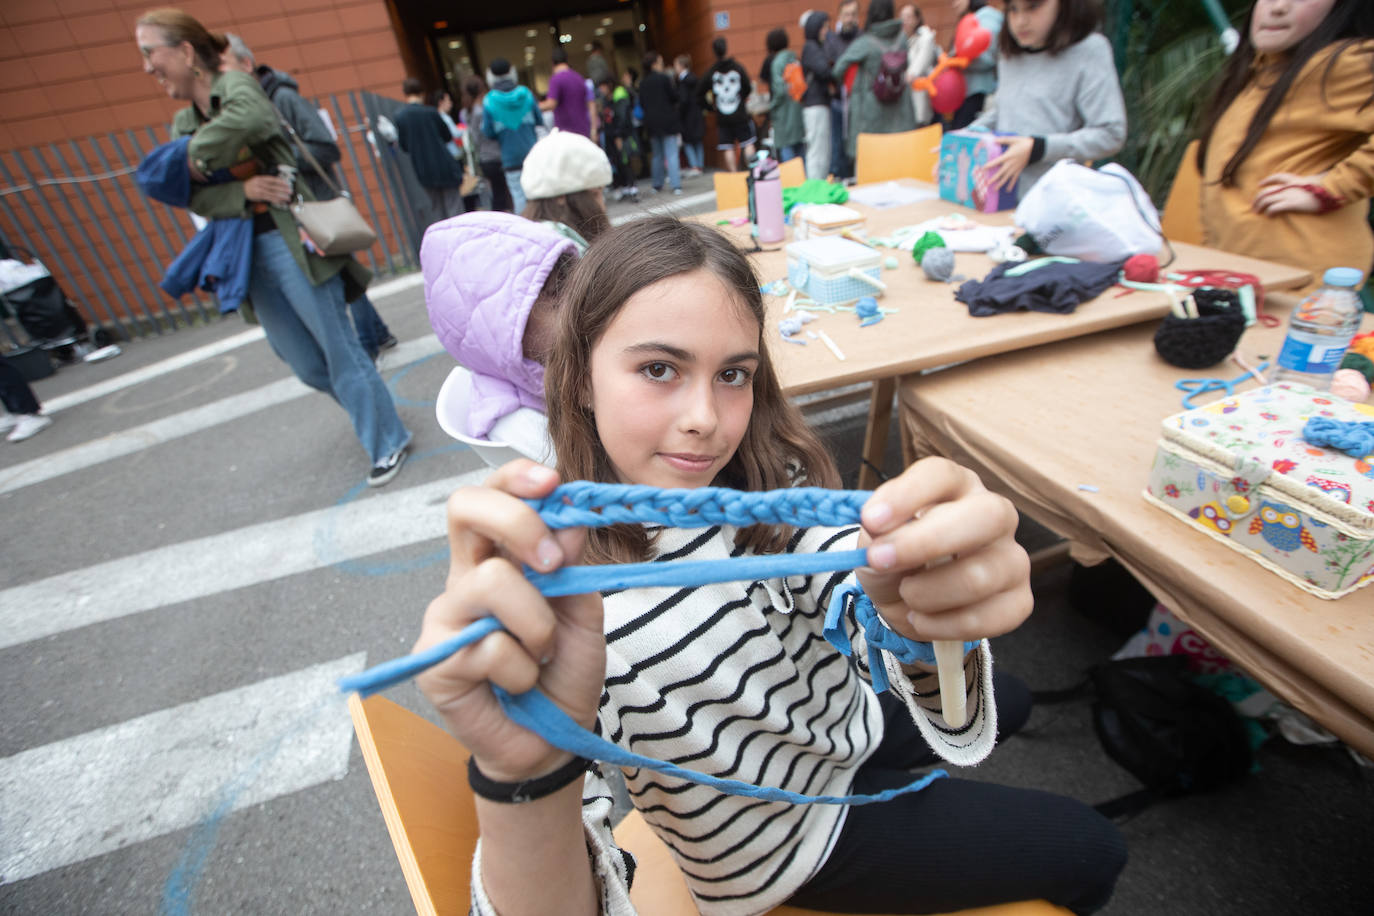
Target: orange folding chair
[(910, 154), (419, 774)]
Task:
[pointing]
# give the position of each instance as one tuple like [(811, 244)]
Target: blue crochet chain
[(583, 504)]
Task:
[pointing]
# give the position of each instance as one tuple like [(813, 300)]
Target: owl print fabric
[(1240, 471)]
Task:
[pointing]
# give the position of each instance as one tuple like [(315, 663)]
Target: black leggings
[(15, 391), (496, 177), (959, 844)]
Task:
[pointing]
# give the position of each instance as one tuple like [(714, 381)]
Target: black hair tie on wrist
[(514, 793)]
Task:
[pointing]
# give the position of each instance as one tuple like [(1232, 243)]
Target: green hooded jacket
[(243, 125)]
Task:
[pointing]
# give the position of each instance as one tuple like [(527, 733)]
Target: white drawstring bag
[(1092, 214)]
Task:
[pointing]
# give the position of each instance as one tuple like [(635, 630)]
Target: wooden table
[(932, 329), (1037, 424)]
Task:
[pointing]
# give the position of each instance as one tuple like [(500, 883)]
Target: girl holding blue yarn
[(660, 376)]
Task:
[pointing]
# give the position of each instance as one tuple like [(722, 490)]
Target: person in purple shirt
[(570, 99)]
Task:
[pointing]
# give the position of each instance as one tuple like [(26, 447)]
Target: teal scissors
[(1197, 386)]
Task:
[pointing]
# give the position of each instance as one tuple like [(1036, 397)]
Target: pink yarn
[(1350, 384)]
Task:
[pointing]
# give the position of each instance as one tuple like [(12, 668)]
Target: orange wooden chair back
[(910, 154)]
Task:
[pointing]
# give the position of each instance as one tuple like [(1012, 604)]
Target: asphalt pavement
[(190, 558)]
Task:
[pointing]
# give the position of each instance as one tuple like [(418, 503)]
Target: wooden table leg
[(875, 436)]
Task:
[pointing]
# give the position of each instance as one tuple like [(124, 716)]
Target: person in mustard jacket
[(1286, 151)]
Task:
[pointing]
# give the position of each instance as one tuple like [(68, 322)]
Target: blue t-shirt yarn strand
[(1354, 437), (540, 715), (597, 505)]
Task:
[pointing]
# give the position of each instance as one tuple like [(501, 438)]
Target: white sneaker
[(7, 422), (29, 425)]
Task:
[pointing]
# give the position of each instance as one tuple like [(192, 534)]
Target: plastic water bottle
[(1320, 330)]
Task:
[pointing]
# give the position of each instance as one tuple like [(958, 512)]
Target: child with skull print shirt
[(724, 89)]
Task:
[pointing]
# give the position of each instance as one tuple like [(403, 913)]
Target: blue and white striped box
[(824, 269)]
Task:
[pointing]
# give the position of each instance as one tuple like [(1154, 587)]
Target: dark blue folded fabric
[(1056, 287), (165, 173), (220, 257), (218, 260)]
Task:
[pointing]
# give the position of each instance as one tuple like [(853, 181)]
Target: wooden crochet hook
[(949, 670)]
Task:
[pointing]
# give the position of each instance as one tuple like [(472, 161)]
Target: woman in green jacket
[(868, 115), (298, 296)]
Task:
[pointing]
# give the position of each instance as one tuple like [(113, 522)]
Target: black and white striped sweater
[(737, 680)]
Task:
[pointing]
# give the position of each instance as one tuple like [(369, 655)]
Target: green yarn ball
[(1360, 363), (925, 243)]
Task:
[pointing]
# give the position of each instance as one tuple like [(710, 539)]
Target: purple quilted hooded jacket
[(483, 272)]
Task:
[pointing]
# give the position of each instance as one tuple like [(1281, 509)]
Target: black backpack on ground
[(1174, 735)]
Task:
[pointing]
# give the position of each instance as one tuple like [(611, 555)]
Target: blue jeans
[(372, 330), (517, 193), (791, 152), (309, 329), (696, 154), (661, 148)]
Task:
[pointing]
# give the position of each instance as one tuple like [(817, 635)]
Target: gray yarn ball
[(938, 264)]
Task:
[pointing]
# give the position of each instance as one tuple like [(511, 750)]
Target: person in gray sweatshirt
[(1057, 91)]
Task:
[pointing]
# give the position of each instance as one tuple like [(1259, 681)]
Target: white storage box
[(831, 270)]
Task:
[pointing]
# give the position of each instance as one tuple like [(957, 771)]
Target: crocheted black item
[(1197, 343)]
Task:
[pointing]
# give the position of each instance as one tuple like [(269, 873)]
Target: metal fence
[(76, 208)]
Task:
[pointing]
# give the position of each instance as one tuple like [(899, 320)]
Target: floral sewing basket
[(1240, 470)]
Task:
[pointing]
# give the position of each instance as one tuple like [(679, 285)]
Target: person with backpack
[(816, 102), (312, 134), (786, 87), (874, 67), (509, 116)]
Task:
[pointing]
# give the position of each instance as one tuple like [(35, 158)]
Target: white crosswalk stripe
[(221, 562), (93, 793), (137, 438), (116, 785)]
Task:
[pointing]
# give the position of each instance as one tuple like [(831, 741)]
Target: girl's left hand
[(938, 511), (1279, 193), (1006, 168)]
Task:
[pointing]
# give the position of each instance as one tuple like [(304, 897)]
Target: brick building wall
[(71, 75), (69, 68)]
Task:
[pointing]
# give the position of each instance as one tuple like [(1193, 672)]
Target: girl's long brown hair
[(582, 210), (1348, 22), (778, 447)]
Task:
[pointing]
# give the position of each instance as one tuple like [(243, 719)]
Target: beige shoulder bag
[(334, 226)]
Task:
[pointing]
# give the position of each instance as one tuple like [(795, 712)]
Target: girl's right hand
[(556, 645), (268, 189)]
